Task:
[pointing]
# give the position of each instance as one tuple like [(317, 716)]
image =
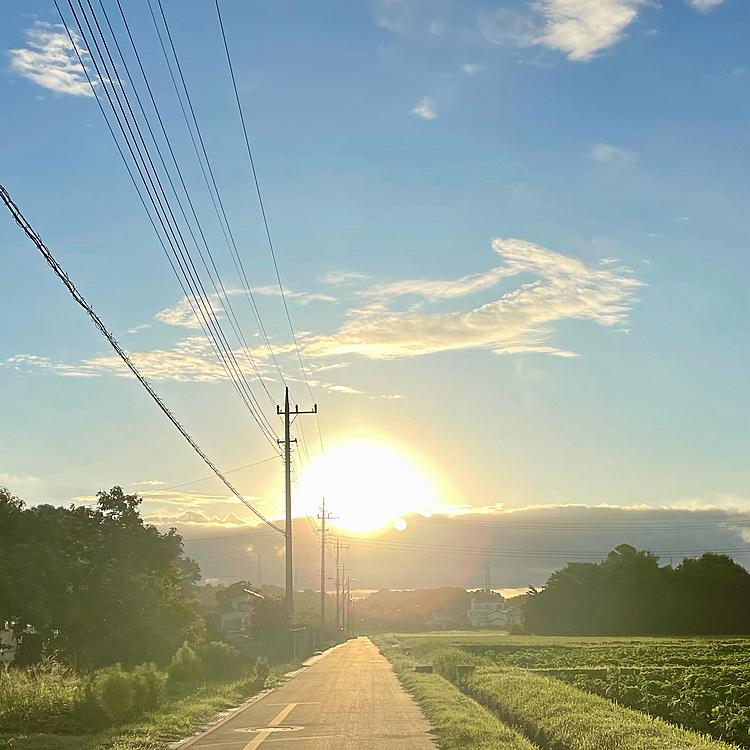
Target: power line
[(213, 476), (263, 211), (154, 189), (226, 303), (217, 201), (60, 273)]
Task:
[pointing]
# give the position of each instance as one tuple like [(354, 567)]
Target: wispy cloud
[(681, 219), (49, 60), (343, 277), (425, 109), (182, 313), (188, 361), (613, 155), (704, 6), (472, 68), (303, 298), (519, 321), (149, 482), (580, 29)]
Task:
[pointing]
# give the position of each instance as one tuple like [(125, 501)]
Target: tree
[(99, 584), (269, 614), (630, 594)]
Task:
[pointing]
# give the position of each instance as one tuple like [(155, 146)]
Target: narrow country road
[(347, 699)]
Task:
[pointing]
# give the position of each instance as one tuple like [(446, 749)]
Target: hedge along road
[(350, 698)]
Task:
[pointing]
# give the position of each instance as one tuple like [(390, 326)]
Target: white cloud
[(425, 109), (653, 234), (339, 388), (614, 155), (581, 28), (149, 482), (343, 277), (188, 361), (10, 481), (302, 297), (49, 60), (180, 314), (519, 321), (704, 6), (472, 68), (607, 261), (681, 219), (140, 327)]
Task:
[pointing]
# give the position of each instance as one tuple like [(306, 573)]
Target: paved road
[(348, 699)]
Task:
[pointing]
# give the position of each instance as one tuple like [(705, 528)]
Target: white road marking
[(262, 735)]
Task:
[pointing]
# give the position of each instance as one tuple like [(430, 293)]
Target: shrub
[(218, 660), (114, 693), (185, 665), (148, 687), (260, 671)]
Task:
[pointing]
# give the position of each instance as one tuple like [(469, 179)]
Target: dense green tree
[(102, 586), (630, 594)]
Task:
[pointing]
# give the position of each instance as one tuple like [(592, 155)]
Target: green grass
[(557, 715), (459, 722), (549, 712), (178, 717)]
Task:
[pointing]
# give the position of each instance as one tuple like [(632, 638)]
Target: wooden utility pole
[(323, 516), (287, 442)]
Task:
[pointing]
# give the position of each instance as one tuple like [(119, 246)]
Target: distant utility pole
[(287, 442), (260, 571), (487, 577), (338, 583), (323, 516)]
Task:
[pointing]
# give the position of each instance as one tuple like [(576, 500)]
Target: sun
[(368, 486)]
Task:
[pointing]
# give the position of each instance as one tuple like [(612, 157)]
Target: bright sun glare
[(368, 486)]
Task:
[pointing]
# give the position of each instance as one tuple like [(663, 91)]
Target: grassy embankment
[(459, 721), (550, 713), (188, 706)]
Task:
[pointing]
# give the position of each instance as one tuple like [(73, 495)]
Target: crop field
[(593, 693)]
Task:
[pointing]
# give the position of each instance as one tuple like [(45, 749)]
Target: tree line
[(629, 593), (97, 583)]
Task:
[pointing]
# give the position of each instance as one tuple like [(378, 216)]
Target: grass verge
[(460, 723), (560, 717), (178, 717)]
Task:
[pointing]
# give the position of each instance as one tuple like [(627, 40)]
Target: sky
[(513, 242)]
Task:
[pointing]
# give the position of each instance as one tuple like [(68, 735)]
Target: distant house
[(488, 612), (231, 619), (8, 645), (441, 621)]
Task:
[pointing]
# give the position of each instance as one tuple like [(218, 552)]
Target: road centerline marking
[(263, 734)]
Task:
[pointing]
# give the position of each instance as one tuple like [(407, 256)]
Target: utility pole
[(323, 516), (343, 604), (338, 583), (260, 571), (487, 576), (287, 442)]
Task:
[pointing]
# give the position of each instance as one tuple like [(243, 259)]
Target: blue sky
[(514, 238)]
